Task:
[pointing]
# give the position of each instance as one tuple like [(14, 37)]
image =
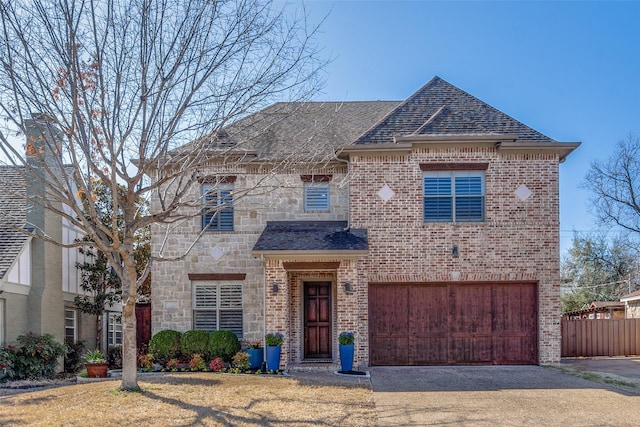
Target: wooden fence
[(600, 337)]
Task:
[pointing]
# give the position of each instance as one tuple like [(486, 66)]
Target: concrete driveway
[(498, 396)]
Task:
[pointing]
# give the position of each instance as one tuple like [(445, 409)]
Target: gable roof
[(441, 109), (12, 213), (311, 129)]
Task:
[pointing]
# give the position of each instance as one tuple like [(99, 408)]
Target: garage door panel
[(454, 323), (512, 350), (391, 351), (470, 310), (391, 306), (430, 350), (428, 310), (470, 350), (515, 309)]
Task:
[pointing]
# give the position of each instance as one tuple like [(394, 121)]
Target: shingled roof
[(310, 236), (310, 129), (441, 109), (12, 213)]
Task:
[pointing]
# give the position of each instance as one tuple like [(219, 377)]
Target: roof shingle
[(12, 214), (441, 109), (310, 236), (313, 130)]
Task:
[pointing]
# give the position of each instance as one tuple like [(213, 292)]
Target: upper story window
[(217, 213), (316, 196), (316, 193), (454, 196)]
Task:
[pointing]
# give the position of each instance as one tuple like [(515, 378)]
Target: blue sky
[(569, 69)]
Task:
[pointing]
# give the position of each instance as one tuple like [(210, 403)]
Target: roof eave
[(563, 149), (374, 149), (457, 138), (312, 254)]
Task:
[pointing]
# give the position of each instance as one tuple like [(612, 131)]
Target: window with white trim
[(114, 329), (454, 196), (316, 197), (70, 326), (218, 305), (217, 213)]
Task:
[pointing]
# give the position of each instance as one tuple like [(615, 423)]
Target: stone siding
[(279, 198)]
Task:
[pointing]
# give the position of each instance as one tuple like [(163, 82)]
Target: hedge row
[(169, 344)]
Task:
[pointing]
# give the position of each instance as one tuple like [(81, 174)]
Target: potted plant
[(273, 343), (346, 340), (96, 364), (256, 354)]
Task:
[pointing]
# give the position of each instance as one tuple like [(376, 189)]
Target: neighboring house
[(598, 310), (433, 235), (38, 280), (631, 305)]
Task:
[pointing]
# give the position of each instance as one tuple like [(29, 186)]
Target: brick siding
[(518, 241)]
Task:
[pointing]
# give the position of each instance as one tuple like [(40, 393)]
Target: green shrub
[(165, 345), (223, 344), (114, 357), (7, 354), (73, 356), (37, 357), (194, 342)]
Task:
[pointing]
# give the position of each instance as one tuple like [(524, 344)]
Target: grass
[(590, 376), (203, 399)]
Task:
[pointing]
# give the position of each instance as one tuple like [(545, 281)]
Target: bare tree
[(615, 186), (105, 91)]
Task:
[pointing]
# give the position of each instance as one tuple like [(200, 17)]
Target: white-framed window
[(114, 329), (217, 212), (70, 325), (454, 196), (218, 305), (316, 197)]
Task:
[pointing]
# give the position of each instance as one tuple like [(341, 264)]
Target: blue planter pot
[(256, 356), (346, 357), (273, 357)]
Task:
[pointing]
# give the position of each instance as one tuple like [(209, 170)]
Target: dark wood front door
[(317, 320)]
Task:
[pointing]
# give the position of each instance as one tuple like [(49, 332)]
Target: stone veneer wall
[(518, 241), (279, 198)]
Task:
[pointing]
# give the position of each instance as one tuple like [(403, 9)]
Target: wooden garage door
[(446, 324)]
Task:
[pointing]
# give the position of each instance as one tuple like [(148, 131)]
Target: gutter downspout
[(348, 176)]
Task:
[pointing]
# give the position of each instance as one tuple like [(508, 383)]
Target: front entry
[(317, 320)]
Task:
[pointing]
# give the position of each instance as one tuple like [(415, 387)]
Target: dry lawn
[(194, 399)]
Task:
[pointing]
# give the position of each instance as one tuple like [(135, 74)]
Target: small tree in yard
[(105, 91), (102, 286), (596, 269)]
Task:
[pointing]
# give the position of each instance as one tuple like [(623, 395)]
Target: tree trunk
[(129, 349)]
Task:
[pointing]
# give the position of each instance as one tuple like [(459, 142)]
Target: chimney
[(45, 303)]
